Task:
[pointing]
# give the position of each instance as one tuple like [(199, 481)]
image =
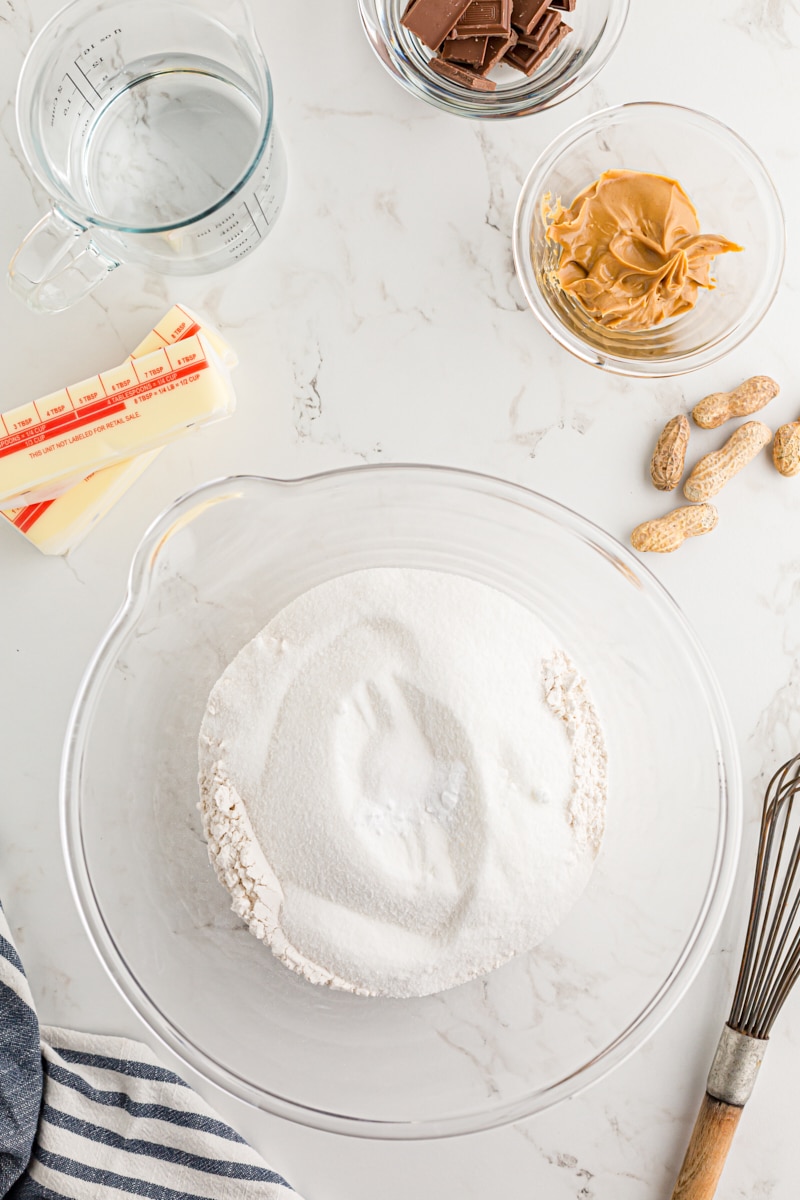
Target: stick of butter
[(47, 446), (58, 525)]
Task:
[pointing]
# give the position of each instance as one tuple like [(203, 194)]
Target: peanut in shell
[(786, 449), (711, 473), (747, 398), (669, 456), (665, 534)]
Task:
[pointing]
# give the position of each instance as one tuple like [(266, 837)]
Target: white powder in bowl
[(402, 781)]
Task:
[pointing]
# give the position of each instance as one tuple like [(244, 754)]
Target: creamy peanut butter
[(632, 250)]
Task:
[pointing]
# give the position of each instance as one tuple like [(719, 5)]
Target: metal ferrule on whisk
[(735, 1067)]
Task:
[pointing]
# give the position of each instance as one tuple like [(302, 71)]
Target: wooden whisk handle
[(707, 1150), (730, 1083)]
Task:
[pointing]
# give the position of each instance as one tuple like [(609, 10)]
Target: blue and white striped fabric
[(96, 1118)]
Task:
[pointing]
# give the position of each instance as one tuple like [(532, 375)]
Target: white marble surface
[(382, 322)]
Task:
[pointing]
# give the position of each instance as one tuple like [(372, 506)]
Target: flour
[(568, 696), (402, 781)]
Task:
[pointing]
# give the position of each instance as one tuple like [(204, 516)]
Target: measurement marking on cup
[(86, 77), (261, 206), (252, 218), (78, 90)]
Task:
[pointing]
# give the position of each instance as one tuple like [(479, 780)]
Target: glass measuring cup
[(150, 124)]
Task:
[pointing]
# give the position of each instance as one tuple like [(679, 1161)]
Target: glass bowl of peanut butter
[(649, 239)]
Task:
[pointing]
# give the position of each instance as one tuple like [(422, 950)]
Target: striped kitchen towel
[(94, 1118)]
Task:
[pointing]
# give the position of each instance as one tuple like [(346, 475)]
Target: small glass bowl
[(596, 25), (734, 196), (208, 575)]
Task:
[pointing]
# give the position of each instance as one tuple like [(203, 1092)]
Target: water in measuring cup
[(169, 143)]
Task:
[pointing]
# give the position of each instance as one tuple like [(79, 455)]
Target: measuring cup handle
[(57, 264)]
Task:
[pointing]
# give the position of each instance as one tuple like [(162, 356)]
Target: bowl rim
[(698, 941), (491, 105), (619, 364)]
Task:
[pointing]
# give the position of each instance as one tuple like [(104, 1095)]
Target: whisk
[(770, 967)]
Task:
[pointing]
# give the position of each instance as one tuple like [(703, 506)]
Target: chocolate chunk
[(528, 58), (563, 5), (540, 34), (487, 18), (462, 75), (432, 20), (521, 57), (526, 13), (465, 50), (496, 47)]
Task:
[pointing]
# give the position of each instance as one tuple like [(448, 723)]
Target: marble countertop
[(382, 322)]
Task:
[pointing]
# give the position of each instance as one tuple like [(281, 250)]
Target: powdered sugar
[(402, 781)]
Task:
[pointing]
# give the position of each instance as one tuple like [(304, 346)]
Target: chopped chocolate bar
[(487, 18), (432, 20), (471, 37), (526, 13), (462, 75), (528, 58), (465, 50), (496, 47)]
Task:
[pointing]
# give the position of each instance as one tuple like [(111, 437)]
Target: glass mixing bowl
[(733, 195), (596, 29), (208, 575)]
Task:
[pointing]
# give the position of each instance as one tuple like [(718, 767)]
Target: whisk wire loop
[(771, 958)]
